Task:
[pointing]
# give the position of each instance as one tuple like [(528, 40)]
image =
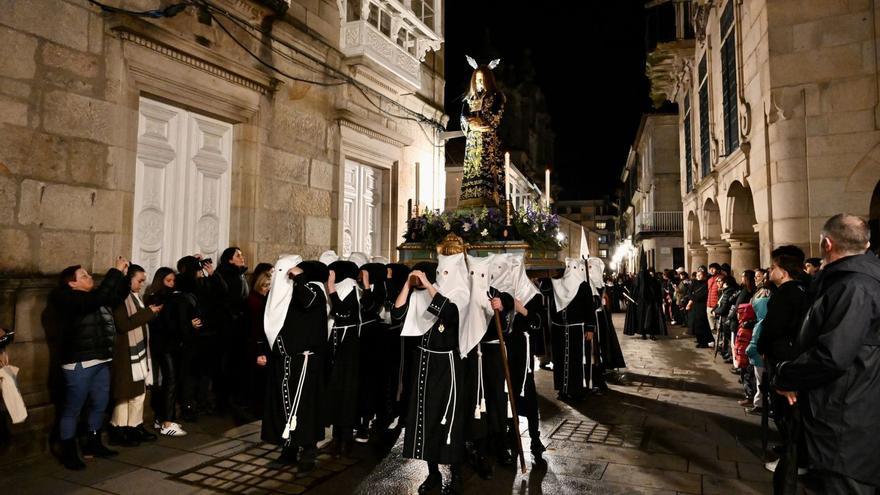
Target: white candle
[(507, 176), (547, 187)]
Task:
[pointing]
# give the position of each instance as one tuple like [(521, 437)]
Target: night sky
[(589, 60)]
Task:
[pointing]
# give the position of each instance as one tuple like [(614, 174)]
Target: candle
[(547, 187), (507, 176)]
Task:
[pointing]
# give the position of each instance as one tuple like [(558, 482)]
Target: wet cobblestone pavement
[(670, 424)]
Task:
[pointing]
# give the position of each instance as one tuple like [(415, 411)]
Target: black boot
[(505, 458), (121, 436), (537, 448), (140, 432), (95, 446), (484, 469), (70, 455), (433, 480), (455, 485), (307, 460), (288, 454)]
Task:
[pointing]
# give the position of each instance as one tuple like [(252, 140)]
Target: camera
[(206, 261)]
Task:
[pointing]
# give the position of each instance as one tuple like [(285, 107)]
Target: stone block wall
[(70, 80)]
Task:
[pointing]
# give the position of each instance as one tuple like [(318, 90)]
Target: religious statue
[(483, 180)]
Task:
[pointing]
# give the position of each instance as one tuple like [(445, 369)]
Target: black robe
[(521, 356), (486, 385), (630, 324), (436, 411), (571, 368), (610, 354), (343, 365), (373, 332), (543, 346), (649, 309), (299, 353), (698, 322)]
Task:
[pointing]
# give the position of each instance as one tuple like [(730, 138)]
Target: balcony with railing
[(394, 34), (659, 222)]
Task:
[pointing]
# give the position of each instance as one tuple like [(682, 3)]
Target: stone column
[(697, 255), (718, 252), (743, 254)]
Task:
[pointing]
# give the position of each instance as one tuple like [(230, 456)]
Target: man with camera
[(88, 334)]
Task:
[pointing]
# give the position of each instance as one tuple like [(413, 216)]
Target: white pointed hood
[(596, 272), (565, 288), (359, 259), (524, 289), (280, 294), (452, 283), (328, 257), (500, 275), (480, 311)]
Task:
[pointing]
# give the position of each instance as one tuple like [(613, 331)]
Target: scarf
[(138, 349)]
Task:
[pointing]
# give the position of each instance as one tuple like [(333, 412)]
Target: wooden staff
[(510, 396)]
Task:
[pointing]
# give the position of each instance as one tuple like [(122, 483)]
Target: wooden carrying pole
[(510, 396)]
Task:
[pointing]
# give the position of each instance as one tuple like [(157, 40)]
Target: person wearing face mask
[(573, 321), (131, 370), (295, 323), (432, 313)]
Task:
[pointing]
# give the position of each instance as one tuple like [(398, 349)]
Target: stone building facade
[(778, 120), (650, 204), (598, 217), (155, 138)]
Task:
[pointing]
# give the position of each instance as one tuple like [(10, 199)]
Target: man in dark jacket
[(88, 334), (777, 343), (838, 375)]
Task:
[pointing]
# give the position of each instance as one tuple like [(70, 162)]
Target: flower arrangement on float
[(533, 223)]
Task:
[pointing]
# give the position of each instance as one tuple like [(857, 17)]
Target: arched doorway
[(717, 249), (741, 235), (695, 249), (874, 220)]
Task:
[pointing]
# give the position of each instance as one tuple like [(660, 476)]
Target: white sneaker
[(771, 466), (172, 430), (711, 344)]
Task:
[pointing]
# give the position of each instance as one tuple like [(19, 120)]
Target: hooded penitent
[(451, 282), (480, 311), (346, 277), (280, 294), (524, 290), (566, 288)]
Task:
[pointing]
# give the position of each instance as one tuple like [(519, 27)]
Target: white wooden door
[(362, 209), (182, 185)]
